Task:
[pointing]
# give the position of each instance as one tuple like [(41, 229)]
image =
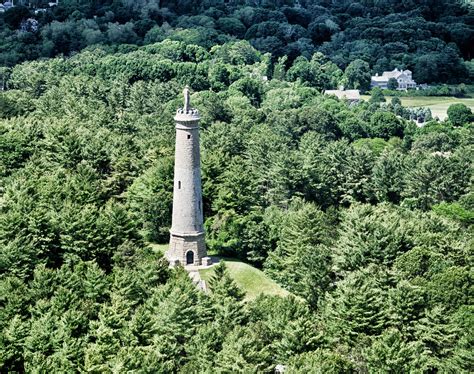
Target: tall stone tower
[(187, 245)]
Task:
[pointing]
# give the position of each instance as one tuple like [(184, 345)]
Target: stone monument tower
[(187, 246)]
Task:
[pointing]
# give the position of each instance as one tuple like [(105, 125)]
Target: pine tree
[(373, 235), (141, 329), (299, 249), (390, 353), (108, 332), (287, 325), (226, 298), (202, 348), (41, 342), (320, 361), (357, 307), (175, 311), (387, 177), (463, 355), (439, 337), (12, 342), (407, 304), (243, 352)]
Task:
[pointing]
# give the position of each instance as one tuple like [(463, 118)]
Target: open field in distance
[(438, 104)]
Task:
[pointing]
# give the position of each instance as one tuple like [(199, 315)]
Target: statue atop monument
[(187, 100), (187, 111)]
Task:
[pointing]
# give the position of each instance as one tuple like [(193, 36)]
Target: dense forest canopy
[(364, 217), (433, 38)]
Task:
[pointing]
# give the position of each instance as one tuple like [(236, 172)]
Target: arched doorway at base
[(189, 258)]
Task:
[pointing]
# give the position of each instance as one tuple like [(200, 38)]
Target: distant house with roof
[(403, 77), (352, 96), (5, 6)]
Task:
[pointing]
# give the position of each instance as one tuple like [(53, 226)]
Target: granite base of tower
[(186, 249)]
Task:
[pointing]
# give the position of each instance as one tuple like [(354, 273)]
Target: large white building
[(5, 6), (403, 77)]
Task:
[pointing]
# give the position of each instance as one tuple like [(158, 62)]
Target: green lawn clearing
[(162, 248), (438, 104), (252, 280)]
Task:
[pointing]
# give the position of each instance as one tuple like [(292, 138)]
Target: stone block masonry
[(182, 246)]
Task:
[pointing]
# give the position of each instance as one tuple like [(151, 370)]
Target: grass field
[(252, 280), (162, 248), (438, 104)]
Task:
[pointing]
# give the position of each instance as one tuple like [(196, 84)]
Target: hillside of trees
[(433, 38), (365, 217)]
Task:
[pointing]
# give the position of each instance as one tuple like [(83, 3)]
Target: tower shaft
[(187, 196)]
